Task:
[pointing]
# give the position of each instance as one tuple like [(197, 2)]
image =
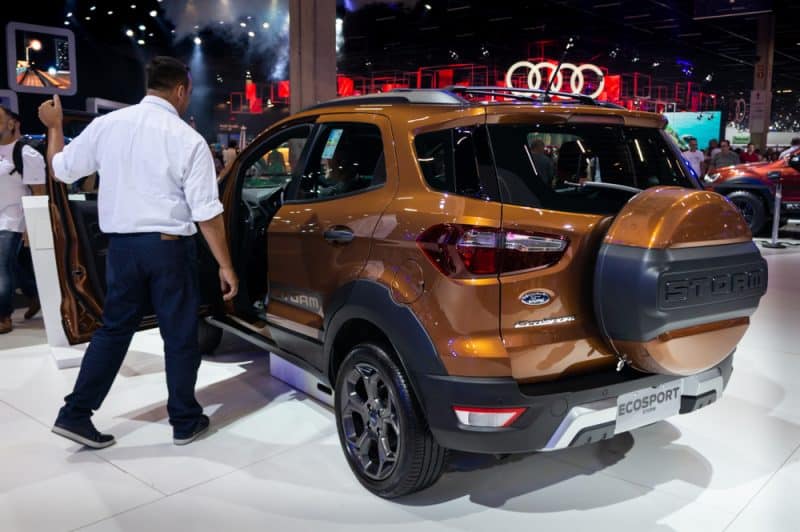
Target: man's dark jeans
[(141, 269), (11, 275)]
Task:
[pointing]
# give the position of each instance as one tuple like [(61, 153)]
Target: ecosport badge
[(542, 323), (535, 298)]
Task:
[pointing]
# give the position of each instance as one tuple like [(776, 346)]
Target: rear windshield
[(543, 165)]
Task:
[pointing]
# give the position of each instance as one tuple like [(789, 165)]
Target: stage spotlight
[(142, 27), (88, 18), (141, 42), (243, 24), (66, 23), (110, 12), (251, 34), (69, 14), (154, 13), (51, 71), (265, 25), (133, 6), (709, 77), (129, 33), (92, 8), (198, 41), (428, 7), (35, 45)]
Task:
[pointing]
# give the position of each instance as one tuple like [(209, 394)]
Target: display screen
[(9, 99), (41, 59), (702, 126)]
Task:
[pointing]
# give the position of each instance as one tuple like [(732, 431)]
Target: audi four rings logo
[(537, 79)]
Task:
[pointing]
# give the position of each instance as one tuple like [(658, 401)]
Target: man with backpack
[(22, 171)]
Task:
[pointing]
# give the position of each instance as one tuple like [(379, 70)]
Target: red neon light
[(345, 86)]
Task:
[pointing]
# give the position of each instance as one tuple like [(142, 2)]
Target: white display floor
[(273, 462)]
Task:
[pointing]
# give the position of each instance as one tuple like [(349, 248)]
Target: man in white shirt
[(795, 143), (15, 182), (158, 180), (695, 157)]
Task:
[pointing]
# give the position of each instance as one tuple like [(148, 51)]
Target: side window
[(451, 161), (277, 159), (346, 158)]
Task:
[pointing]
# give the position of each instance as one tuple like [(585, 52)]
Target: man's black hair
[(164, 73), (10, 113), (232, 144)]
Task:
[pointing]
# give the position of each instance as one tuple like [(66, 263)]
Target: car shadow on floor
[(502, 481)]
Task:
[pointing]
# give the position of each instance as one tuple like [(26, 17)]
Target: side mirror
[(794, 161)]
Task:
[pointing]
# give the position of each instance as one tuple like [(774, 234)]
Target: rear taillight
[(465, 250)]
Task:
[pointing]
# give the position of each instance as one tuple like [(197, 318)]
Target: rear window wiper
[(600, 184)]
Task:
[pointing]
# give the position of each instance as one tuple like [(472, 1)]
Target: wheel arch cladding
[(366, 307)]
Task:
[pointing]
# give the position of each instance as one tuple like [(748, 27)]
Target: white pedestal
[(40, 236)]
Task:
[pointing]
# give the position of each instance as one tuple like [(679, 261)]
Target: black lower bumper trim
[(544, 414)]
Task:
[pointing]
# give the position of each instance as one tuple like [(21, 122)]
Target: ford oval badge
[(535, 299)]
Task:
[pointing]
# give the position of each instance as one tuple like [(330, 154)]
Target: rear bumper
[(562, 414)]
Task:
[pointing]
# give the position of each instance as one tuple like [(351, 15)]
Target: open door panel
[(80, 247)]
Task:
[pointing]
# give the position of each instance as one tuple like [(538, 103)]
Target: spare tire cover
[(676, 280)]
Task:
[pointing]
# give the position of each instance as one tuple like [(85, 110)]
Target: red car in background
[(751, 187)]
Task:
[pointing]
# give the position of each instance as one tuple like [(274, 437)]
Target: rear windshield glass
[(543, 165)]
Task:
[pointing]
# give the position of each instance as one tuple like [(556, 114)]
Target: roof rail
[(528, 94), (397, 96)]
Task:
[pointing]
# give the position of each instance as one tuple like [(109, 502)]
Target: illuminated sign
[(536, 79)]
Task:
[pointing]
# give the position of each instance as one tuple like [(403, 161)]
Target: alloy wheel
[(747, 211), (370, 422)]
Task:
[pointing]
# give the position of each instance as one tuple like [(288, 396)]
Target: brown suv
[(469, 269)]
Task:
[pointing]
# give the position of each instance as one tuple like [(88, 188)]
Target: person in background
[(710, 151), (543, 164), (158, 187), (725, 156), (787, 151), (772, 155), (695, 157), (749, 155), (229, 153), (22, 171), (218, 165)]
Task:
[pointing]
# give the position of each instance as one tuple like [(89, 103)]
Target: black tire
[(752, 208), (208, 337), (374, 405)]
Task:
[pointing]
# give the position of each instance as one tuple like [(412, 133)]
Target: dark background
[(657, 37)]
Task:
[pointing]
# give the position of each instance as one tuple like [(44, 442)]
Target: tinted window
[(346, 158), (453, 161), (276, 159), (543, 165)]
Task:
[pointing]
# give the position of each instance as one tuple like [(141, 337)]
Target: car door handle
[(339, 235)]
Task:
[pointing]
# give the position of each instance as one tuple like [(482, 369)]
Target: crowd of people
[(719, 154), (223, 157)]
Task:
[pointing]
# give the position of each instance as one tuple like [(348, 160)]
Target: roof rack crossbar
[(511, 92)]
